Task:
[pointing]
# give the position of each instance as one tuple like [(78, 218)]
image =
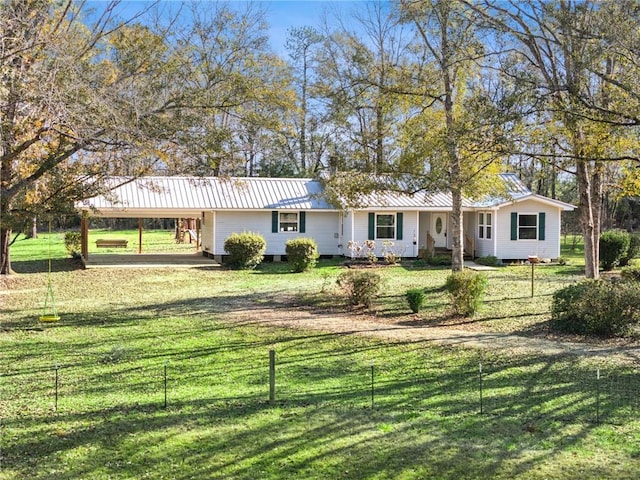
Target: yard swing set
[(49, 312)]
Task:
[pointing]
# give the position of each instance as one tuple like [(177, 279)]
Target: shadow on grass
[(425, 423), (42, 266)]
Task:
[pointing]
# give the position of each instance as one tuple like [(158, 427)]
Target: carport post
[(139, 235)]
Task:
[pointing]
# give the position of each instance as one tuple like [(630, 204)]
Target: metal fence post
[(56, 388), (165, 384), (480, 381), (598, 396), (372, 383)]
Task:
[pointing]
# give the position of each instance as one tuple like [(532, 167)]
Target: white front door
[(439, 229)]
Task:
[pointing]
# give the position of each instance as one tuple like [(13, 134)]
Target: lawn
[(432, 414)]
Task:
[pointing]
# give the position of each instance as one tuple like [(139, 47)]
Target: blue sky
[(281, 14)]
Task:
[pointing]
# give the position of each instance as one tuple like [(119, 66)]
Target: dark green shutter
[(372, 226), (514, 225), (399, 226), (274, 222), (303, 222), (541, 225)]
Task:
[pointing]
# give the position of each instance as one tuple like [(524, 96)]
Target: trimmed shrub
[(360, 286), (302, 253), (72, 243), (631, 273), (466, 290), (614, 245), (438, 260), (246, 250), (415, 298), (633, 250), (489, 261), (596, 307)]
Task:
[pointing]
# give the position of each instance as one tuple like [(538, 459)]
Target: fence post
[(598, 395), (272, 376), (372, 383), (56, 388), (480, 381), (165, 383)]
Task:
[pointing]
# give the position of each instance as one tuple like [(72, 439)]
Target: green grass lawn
[(120, 328)]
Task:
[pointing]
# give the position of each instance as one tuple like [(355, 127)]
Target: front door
[(439, 229)]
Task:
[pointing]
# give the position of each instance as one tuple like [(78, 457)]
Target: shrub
[(246, 250), (489, 260), (633, 250), (390, 253), (72, 243), (438, 260), (466, 290), (302, 253), (415, 298), (598, 307), (614, 245), (631, 273), (360, 286)]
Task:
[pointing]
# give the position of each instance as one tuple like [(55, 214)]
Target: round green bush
[(633, 250), (596, 307), (614, 245), (246, 250), (631, 273), (466, 290), (415, 298), (302, 253), (488, 260), (360, 286)]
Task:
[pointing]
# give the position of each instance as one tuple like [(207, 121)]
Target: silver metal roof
[(181, 194), (175, 196)]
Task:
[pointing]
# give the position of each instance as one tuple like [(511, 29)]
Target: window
[(527, 226), (288, 222), (385, 226), (485, 225)]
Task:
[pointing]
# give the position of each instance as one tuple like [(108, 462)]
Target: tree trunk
[(587, 222), (5, 258), (457, 253)]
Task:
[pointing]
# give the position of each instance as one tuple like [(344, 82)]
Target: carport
[(152, 203)]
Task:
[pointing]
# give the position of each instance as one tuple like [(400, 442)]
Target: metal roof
[(514, 189), (207, 193), (169, 196)]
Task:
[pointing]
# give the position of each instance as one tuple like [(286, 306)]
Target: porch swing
[(49, 312)]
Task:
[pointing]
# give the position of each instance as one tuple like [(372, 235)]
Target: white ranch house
[(512, 228)]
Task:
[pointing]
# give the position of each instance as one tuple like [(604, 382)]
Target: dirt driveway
[(393, 331)]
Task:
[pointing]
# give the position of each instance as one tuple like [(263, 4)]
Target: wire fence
[(556, 391)]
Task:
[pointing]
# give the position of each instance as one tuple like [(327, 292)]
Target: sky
[(281, 14)]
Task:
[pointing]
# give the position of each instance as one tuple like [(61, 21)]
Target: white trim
[(537, 225), (394, 216)]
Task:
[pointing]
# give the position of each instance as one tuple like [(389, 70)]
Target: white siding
[(521, 249), (206, 230), (484, 246), (323, 227), (404, 247)]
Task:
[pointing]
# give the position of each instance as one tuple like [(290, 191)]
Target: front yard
[(347, 406)]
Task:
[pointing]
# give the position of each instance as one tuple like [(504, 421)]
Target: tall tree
[(447, 39), (82, 101), (301, 44), (357, 73), (568, 61)]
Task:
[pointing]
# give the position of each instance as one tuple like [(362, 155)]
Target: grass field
[(121, 328)]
